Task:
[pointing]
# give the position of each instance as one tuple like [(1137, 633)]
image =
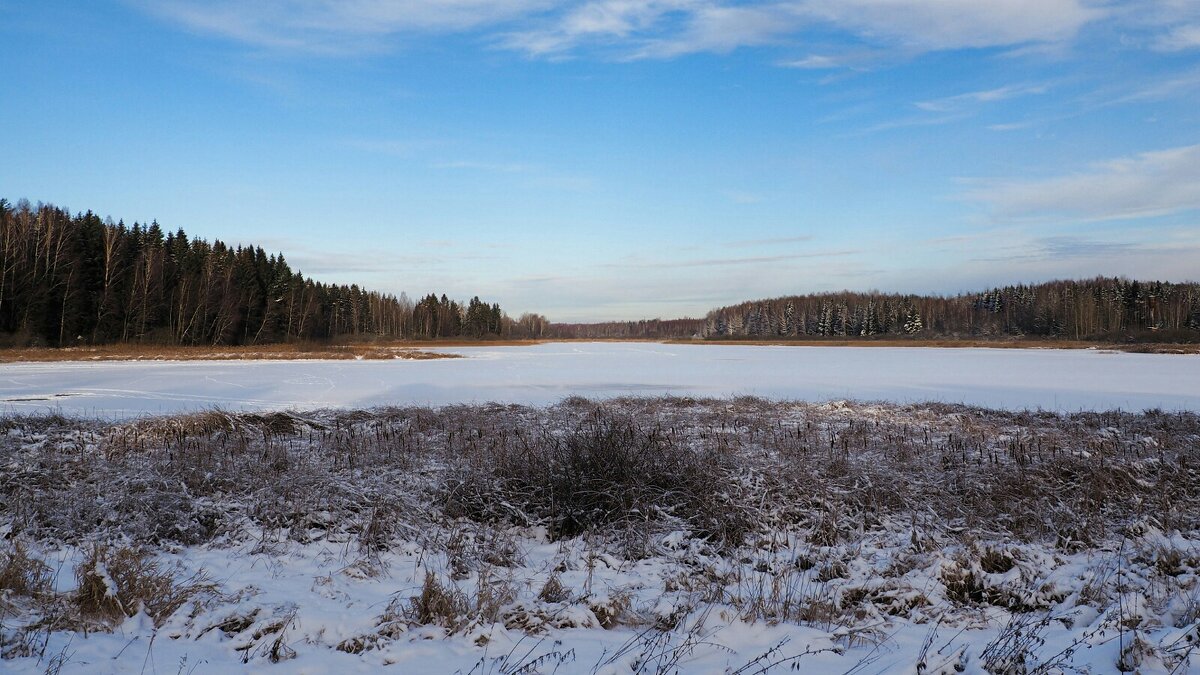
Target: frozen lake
[(1064, 380)]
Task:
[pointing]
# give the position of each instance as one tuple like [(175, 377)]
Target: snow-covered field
[(634, 536), (1046, 532), (1064, 380)]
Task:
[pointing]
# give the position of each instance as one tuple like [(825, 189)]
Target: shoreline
[(420, 350)]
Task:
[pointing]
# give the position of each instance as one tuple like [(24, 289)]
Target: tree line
[(1092, 309), (78, 279), (648, 329)]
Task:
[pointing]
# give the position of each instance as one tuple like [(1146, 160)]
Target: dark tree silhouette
[(1104, 309), (68, 279)]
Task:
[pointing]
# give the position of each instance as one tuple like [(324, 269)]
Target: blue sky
[(617, 159)]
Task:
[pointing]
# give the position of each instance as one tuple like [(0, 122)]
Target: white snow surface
[(311, 598), (1050, 379)]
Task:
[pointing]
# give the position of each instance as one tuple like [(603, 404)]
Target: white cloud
[(815, 62), (639, 262), (951, 24), (665, 28), (770, 241), (1148, 184), (1180, 39), (635, 29), (1164, 25), (1174, 85), (657, 28), (336, 26), (1010, 126), (742, 196), (722, 29), (960, 101), (598, 20)]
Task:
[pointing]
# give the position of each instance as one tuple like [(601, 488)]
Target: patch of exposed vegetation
[(840, 516)]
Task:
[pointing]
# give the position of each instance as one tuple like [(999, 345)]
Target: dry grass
[(284, 352), (626, 469), (765, 507), (971, 343), (417, 349), (22, 575), (119, 582), (608, 471)]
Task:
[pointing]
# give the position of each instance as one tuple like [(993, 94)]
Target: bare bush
[(125, 581), (22, 574), (608, 471)]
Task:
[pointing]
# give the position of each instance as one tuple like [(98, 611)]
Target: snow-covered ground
[(1050, 379), (720, 536)]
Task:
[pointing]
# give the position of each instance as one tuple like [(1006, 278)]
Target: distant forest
[(79, 279), (1107, 309)]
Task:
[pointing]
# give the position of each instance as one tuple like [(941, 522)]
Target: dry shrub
[(446, 605), (124, 581), (553, 591), (1015, 649), (834, 570), (23, 575), (995, 560), (609, 471), (610, 610), (438, 605), (787, 596), (277, 423), (963, 584), (492, 595), (380, 527), (825, 531)]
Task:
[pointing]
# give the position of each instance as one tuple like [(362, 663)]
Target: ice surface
[(1052, 379)]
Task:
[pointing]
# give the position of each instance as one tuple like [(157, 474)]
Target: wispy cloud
[(1159, 89), (496, 167), (666, 28), (349, 263), (1180, 39), (347, 27), (728, 262), (722, 29), (911, 121), (815, 62), (846, 59), (532, 175), (1148, 184), (1062, 247), (954, 24), (1102, 253), (772, 241), (633, 28), (657, 28), (1163, 25), (975, 98), (1010, 126)]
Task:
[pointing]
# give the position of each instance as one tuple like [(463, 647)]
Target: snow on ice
[(1049, 379)]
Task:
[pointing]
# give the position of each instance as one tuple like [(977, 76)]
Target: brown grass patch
[(23, 575), (277, 352), (966, 343), (124, 581)]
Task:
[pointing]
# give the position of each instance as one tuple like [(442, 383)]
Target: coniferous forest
[(80, 279), (1101, 309)]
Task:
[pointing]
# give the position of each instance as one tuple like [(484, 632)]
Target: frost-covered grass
[(633, 535)]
